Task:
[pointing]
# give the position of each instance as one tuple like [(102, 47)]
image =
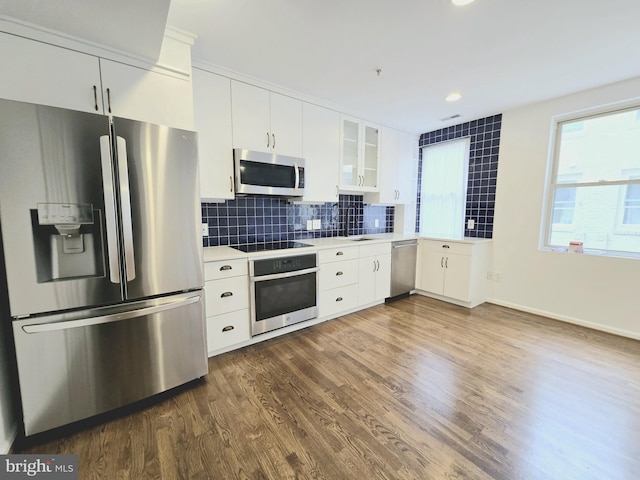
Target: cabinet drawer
[(337, 254), (447, 247), (226, 295), (372, 250), (338, 300), (338, 274), (227, 329), (225, 269)]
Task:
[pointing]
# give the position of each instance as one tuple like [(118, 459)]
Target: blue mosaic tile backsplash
[(256, 219), (483, 170)]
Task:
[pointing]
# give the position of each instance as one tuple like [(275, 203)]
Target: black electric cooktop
[(262, 247)]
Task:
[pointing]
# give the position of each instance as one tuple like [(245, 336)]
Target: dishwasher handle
[(404, 244)]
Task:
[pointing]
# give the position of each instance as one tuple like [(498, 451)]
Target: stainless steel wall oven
[(283, 291)]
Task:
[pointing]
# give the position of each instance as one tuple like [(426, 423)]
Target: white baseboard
[(7, 443), (564, 318)]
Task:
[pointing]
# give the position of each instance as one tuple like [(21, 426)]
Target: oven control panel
[(270, 266)]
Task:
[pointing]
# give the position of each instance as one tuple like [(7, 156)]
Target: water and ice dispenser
[(67, 240)]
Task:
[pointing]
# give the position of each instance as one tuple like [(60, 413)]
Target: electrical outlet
[(376, 223), (205, 229), (489, 275), (497, 276), (471, 224), (309, 224), (317, 224)]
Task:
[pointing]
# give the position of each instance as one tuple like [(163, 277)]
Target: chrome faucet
[(351, 210)]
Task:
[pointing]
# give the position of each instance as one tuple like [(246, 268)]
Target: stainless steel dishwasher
[(403, 268)]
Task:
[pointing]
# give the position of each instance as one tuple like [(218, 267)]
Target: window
[(445, 169), (594, 190), (631, 206)]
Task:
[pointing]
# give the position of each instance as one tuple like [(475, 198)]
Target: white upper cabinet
[(407, 169), (49, 75), (265, 121), (398, 167), (212, 118), (39, 73), (321, 151), (140, 94), (360, 145)]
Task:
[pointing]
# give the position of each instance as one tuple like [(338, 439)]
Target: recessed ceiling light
[(461, 2), (453, 97)]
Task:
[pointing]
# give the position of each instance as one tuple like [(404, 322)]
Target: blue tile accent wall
[(256, 219), (483, 170)]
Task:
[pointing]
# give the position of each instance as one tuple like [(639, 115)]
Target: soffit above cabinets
[(136, 27)]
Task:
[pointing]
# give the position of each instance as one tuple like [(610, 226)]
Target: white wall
[(600, 292)]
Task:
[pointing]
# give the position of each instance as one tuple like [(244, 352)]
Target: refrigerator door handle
[(110, 209), (116, 317), (125, 206)]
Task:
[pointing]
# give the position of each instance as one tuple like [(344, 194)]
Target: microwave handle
[(297, 169)]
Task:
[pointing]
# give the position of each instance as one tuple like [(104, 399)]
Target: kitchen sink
[(359, 239)]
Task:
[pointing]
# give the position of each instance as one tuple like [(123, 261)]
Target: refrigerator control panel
[(65, 213)]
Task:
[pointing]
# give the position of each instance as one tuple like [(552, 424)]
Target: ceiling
[(497, 53), (134, 26)]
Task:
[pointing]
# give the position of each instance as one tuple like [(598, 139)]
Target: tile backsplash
[(257, 219), (483, 170)]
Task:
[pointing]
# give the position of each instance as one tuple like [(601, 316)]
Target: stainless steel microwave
[(260, 173)]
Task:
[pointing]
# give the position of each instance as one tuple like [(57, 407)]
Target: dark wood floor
[(417, 389)]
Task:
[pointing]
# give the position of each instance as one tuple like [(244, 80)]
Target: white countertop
[(213, 254)]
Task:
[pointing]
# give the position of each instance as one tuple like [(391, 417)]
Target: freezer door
[(74, 366), (59, 231), (160, 204)]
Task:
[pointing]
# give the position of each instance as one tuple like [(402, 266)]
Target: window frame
[(552, 183)]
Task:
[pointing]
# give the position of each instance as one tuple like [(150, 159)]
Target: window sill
[(593, 253)]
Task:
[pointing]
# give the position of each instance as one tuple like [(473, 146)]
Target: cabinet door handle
[(339, 299), (95, 97), (441, 262), (228, 328), (339, 253), (446, 262), (377, 265), (336, 190), (268, 140), (226, 294), (273, 136), (230, 184), (225, 267), (446, 246), (109, 99), (339, 273)]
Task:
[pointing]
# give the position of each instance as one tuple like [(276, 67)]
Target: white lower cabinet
[(338, 281), (455, 271), (227, 303), (374, 272)]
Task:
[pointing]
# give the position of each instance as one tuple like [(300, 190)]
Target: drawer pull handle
[(446, 246), (228, 328), (339, 273), (339, 299), (225, 267), (226, 294), (339, 253)]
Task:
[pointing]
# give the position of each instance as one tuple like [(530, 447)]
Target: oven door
[(283, 299)]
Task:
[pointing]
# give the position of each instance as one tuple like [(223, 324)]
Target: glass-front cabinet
[(359, 155)]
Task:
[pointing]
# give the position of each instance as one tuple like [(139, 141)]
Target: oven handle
[(276, 276)]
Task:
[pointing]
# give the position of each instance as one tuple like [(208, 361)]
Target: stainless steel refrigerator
[(101, 250)]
